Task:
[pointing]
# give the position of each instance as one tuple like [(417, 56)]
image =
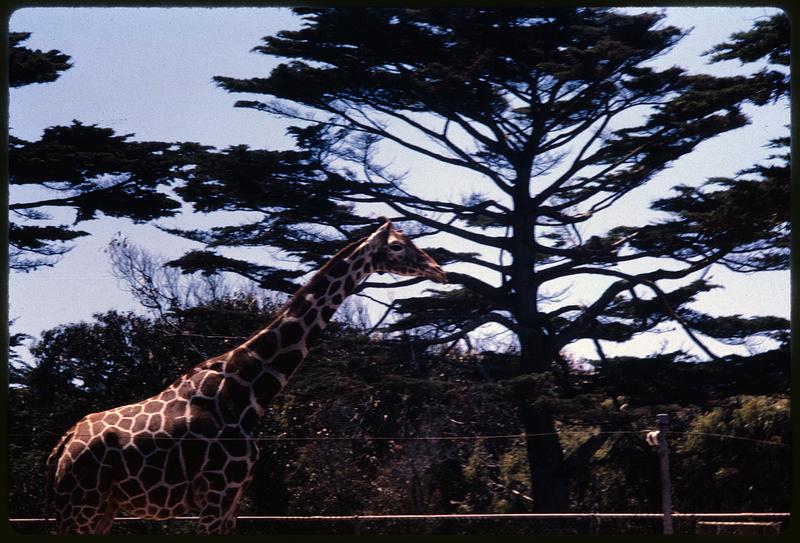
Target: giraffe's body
[(190, 447)]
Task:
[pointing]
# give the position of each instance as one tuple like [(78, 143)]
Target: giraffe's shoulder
[(216, 363), (187, 384)]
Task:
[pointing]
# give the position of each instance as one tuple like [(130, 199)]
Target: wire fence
[(747, 523), (454, 438), (586, 523)]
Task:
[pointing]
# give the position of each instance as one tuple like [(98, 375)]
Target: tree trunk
[(545, 456), (549, 483), (549, 480)]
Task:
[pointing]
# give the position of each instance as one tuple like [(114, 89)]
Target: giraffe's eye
[(396, 247)]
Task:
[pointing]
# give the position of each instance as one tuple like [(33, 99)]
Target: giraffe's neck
[(268, 359)]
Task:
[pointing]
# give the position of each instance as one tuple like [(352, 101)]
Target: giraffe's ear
[(384, 231), (381, 235)]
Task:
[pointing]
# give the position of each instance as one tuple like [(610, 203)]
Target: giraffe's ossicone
[(190, 447)]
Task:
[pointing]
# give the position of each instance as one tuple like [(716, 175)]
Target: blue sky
[(148, 71)]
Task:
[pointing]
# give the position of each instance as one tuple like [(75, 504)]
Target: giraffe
[(190, 447)]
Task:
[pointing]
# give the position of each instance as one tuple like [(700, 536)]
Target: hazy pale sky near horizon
[(148, 71)]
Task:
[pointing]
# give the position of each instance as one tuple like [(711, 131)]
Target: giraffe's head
[(394, 252)]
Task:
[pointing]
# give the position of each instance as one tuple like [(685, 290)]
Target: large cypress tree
[(536, 103)]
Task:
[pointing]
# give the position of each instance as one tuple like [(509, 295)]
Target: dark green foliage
[(89, 365), (84, 168), (433, 60), (210, 263), (749, 472), (521, 84), (767, 39), (336, 441), (446, 311), (242, 178), (27, 66), (735, 329), (748, 219), (31, 238), (92, 171), (14, 341), (671, 379), (109, 173), (299, 213)]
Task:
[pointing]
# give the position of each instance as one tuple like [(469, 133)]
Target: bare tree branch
[(468, 327), (491, 241), (608, 296)]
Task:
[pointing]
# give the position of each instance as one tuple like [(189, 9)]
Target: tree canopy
[(91, 171), (536, 104), (505, 91), (87, 169), (27, 66)]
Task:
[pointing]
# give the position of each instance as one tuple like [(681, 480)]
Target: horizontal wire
[(534, 516), (729, 436), (439, 438), (333, 438)]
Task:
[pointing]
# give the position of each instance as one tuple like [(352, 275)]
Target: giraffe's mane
[(300, 293)]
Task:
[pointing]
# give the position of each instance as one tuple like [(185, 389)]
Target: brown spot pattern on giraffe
[(287, 362), (189, 447), (265, 388), (265, 344)]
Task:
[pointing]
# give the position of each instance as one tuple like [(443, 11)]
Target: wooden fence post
[(662, 419)]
